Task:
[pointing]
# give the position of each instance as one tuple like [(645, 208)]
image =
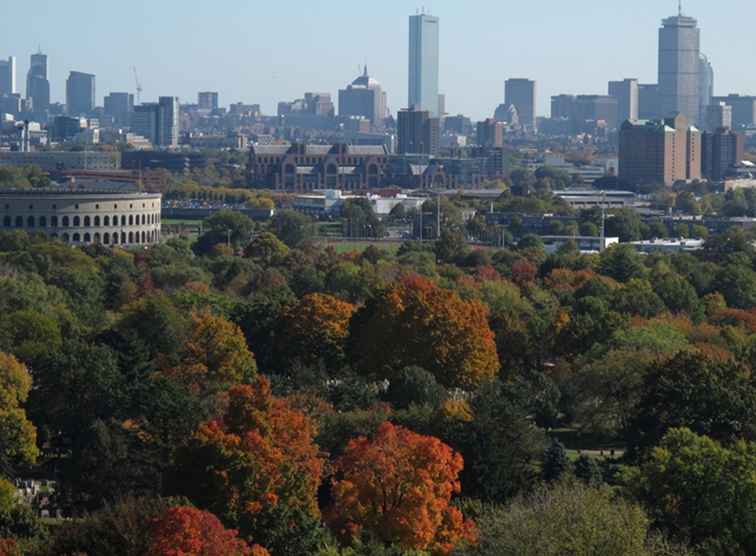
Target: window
[(115, 238), (76, 238), (30, 222), (42, 222), (131, 237), (106, 221), (106, 238), (54, 221), (65, 221), (87, 222), (123, 220), (66, 238), (87, 238), (97, 237), (76, 222), (96, 220), (123, 237), (7, 222), (131, 219), (143, 237), (19, 221)]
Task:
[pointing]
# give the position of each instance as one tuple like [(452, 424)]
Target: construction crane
[(138, 86)]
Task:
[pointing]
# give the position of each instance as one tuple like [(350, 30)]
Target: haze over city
[(263, 52)]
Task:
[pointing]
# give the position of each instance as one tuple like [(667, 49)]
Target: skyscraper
[(8, 76), (718, 116), (419, 132), (627, 95), (37, 85), (80, 93), (158, 121), (207, 100), (363, 98), (423, 63), (679, 59), (521, 93), (120, 106), (705, 84)]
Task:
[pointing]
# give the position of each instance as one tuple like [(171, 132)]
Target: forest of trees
[(279, 397)]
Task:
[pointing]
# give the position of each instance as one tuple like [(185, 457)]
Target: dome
[(366, 81)]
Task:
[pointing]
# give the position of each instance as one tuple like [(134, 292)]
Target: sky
[(259, 51)]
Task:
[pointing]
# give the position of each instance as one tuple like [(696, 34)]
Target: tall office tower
[(120, 106), (363, 98), (8, 76), (563, 107), (80, 93), (718, 116), (649, 102), (419, 132), (705, 84), (441, 105), (37, 84), (659, 151), (423, 63), (208, 100), (521, 93), (721, 150), (491, 133), (170, 121), (679, 59), (592, 109), (743, 109), (158, 121), (627, 95)]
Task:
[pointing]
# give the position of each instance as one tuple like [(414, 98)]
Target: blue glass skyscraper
[(423, 63)]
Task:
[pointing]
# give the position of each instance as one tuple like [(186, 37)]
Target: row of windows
[(97, 207), (76, 221), (110, 239)]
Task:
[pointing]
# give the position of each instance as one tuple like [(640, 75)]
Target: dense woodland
[(279, 397)]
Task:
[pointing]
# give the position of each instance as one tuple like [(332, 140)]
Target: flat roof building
[(8, 76), (521, 93), (626, 93), (80, 93), (679, 59), (424, 63)]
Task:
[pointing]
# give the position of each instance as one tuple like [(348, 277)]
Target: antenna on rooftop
[(679, 7)]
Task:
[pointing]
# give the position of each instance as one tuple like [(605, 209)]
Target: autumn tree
[(186, 531), (255, 461), (398, 486), (316, 329), (215, 355), (18, 437), (417, 323), (266, 249)]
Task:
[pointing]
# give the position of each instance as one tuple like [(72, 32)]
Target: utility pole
[(438, 216), (422, 208)]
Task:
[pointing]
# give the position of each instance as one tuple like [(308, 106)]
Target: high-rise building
[(363, 98), (626, 93), (158, 121), (649, 101), (120, 107), (208, 100), (423, 63), (659, 151), (419, 132), (721, 150), (8, 76), (37, 84), (563, 107), (521, 93), (491, 133), (679, 59), (80, 93), (592, 109), (743, 109), (718, 116), (705, 84)]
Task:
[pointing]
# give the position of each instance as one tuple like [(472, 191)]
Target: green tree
[(556, 464), (291, 227), (18, 435), (622, 263)]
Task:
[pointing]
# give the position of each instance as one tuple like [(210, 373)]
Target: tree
[(18, 437), (451, 246), (708, 396), (266, 250), (568, 518), (291, 227), (555, 462), (588, 471), (418, 323), (316, 329), (186, 531), (624, 224), (414, 385), (701, 491), (215, 355), (398, 487), (256, 460), (622, 263)]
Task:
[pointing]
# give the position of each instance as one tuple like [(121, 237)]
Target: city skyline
[(256, 65)]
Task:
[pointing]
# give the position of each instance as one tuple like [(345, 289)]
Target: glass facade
[(423, 63)]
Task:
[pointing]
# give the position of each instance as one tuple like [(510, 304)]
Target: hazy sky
[(258, 51)]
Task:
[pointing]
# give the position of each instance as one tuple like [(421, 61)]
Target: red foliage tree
[(258, 455), (186, 531), (8, 547), (418, 323), (398, 486)]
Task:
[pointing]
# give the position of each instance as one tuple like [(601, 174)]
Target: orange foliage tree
[(215, 355), (8, 547), (187, 531), (398, 486), (420, 324), (317, 328), (252, 461)]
